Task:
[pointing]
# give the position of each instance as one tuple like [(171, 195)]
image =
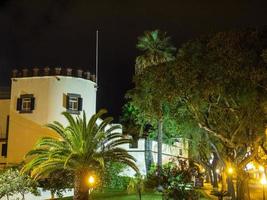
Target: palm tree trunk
[(160, 133), (148, 154), (80, 187)]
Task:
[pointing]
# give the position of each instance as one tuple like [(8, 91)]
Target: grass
[(121, 195)]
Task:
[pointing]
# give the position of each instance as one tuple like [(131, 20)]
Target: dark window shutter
[(67, 102), (4, 150), (19, 104), (80, 104), (32, 103)]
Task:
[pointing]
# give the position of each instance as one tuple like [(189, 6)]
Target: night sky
[(62, 33)]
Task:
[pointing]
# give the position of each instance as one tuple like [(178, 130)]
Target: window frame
[(26, 103), (74, 103)]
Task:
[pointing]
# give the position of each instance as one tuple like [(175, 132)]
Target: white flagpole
[(96, 60)]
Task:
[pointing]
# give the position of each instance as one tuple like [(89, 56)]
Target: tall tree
[(82, 147), (157, 51), (223, 78)]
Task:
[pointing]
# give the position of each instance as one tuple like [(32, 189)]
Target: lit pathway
[(256, 191)]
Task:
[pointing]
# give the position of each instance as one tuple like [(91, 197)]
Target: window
[(4, 150), (74, 103), (26, 103)]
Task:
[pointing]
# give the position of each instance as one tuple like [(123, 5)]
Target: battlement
[(53, 71)]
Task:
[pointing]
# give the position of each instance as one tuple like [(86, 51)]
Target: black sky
[(62, 32)]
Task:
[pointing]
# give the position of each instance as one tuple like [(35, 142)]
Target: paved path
[(256, 191)]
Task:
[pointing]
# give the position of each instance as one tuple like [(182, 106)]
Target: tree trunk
[(52, 195), (215, 178), (214, 173), (209, 178), (242, 186), (223, 181), (148, 154), (80, 186), (230, 187), (160, 133)]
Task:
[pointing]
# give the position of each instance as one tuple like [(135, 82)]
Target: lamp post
[(263, 182)]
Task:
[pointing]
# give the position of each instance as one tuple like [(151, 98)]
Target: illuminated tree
[(82, 148), (223, 78), (157, 52)]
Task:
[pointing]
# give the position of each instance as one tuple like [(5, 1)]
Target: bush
[(12, 182), (57, 182), (136, 185), (112, 178), (174, 180)]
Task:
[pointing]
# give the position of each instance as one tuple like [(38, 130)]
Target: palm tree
[(82, 148), (157, 50)]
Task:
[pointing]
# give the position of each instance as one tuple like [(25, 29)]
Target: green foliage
[(157, 49), (80, 145), (12, 183), (112, 178), (83, 147), (57, 182), (175, 179), (136, 185)]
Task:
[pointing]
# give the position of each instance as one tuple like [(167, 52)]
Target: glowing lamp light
[(263, 180), (261, 168), (91, 180), (217, 171), (230, 170)]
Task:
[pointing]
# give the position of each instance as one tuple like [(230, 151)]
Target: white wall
[(48, 92), (27, 128), (168, 152)]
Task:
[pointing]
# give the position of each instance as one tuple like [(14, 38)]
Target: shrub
[(12, 182), (112, 178), (136, 185), (57, 182), (174, 180)]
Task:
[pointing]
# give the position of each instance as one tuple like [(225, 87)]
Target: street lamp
[(91, 182), (263, 182), (230, 170)]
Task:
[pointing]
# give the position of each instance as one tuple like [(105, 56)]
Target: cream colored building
[(39, 98), (4, 123)]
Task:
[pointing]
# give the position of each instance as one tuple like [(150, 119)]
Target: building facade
[(39, 97)]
